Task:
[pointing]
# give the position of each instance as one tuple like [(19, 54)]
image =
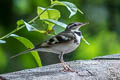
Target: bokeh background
[(103, 32)]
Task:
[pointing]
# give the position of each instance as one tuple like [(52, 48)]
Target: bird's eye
[(75, 24)]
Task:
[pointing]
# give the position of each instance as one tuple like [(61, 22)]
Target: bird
[(63, 43)]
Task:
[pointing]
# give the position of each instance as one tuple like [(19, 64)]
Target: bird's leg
[(65, 66)]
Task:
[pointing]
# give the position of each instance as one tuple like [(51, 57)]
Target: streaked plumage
[(60, 43)]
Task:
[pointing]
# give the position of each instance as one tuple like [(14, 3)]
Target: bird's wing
[(60, 38)]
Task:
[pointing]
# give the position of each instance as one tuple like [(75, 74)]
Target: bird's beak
[(85, 23)]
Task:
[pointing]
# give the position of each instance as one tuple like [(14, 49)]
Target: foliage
[(47, 16), (29, 45)]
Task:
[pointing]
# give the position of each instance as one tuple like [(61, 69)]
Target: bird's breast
[(69, 47), (74, 44)]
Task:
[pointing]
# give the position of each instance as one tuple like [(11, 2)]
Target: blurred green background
[(103, 32)]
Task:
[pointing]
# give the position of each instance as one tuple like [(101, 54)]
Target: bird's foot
[(67, 68)]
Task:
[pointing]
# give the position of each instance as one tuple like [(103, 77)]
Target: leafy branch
[(49, 16), (30, 22)]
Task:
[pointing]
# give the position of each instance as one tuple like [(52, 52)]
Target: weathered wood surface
[(109, 57), (100, 69)]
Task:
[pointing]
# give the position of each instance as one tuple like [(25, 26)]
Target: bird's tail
[(27, 51)]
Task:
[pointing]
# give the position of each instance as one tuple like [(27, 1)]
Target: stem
[(6, 36), (85, 40), (31, 21)]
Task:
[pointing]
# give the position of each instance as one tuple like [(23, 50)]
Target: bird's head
[(75, 26)]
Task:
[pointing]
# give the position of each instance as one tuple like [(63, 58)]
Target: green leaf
[(48, 14), (2, 41), (70, 6), (20, 22), (28, 44), (57, 3), (30, 27), (40, 25), (56, 22)]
